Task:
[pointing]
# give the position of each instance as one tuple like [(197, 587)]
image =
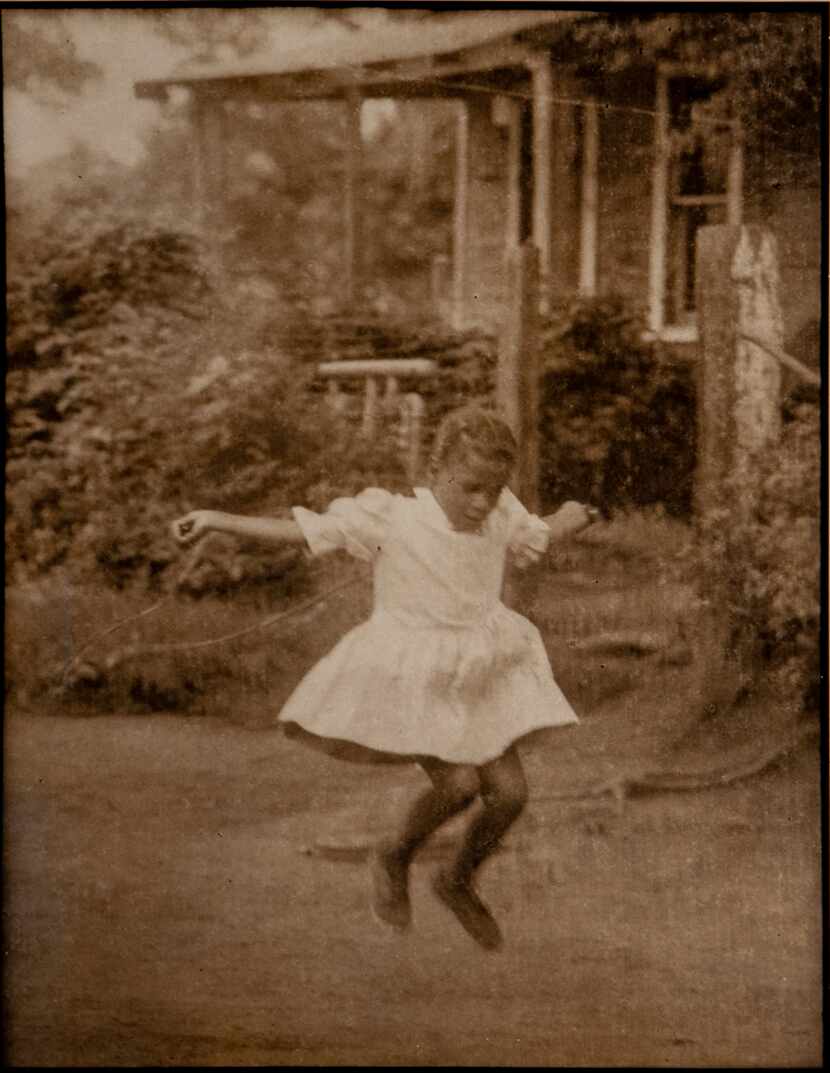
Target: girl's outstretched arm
[(522, 584), (198, 523)]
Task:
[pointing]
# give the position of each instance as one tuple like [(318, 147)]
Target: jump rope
[(190, 564), (196, 556)]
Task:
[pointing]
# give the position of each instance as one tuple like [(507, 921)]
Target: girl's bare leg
[(454, 787), (504, 793)]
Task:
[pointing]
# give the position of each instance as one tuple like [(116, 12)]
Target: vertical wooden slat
[(512, 208), (678, 256), (439, 281), (564, 186), (518, 369), (370, 408), (218, 134), (201, 189), (659, 208), (351, 207), (417, 115), (590, 200), (411, 433), (462, 178), (210, 132), (542, 149)]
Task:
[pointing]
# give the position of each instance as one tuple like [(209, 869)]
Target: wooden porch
[(513, 150)]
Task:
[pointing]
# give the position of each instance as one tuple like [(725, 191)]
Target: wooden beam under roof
[(434, 75)]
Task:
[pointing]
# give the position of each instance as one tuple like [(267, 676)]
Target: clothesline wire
[(652, 113), (583, 102), (524, 95)]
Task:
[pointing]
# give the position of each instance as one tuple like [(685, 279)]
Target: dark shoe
[(470, 911), (389, 891)]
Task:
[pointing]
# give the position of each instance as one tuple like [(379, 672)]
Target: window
[(696, 181)]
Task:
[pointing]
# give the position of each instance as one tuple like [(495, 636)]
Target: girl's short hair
[(478, 431)]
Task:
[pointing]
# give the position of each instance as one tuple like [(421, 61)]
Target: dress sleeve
[(358, 525), (527, 534)]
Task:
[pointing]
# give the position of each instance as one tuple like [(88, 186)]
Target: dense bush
[(136, 392), (774, 560), (95, 280), (617, 418), (127, 408), (100, 312), (98, 491)]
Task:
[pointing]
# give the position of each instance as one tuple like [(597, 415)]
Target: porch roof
[(393, 60)]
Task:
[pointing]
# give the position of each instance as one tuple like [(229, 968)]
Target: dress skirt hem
[(441, 668), (355, 753)]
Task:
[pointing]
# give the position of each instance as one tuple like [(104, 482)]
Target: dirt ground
[(166, 905)]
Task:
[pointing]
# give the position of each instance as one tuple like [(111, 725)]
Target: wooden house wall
[(626, 155)]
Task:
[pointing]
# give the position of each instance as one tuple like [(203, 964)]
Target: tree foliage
[(208, 34), (772, 59), (40, 57)]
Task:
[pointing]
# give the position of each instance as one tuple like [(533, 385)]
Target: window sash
[(664, 202)]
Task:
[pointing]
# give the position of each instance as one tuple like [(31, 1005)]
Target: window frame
[(661, 200)]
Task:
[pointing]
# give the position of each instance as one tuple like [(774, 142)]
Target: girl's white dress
[(442, 667)]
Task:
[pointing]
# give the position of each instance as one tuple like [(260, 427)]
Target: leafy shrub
[(95, 280), (774, 583), (132, 396), (617, 419), (100, 313), (246, 436), (119, 427)]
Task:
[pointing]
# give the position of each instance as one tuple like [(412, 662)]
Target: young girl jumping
[(442, 674)]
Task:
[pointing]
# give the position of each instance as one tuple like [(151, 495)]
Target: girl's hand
[(192, 527), (594, 514), (571, 518), (574, 514)]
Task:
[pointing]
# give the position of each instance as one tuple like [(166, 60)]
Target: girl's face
[(467, 488)]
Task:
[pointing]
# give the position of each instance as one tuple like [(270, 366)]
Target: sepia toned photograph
[(415, 627)]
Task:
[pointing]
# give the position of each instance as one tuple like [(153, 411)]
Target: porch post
[(512, 208), (354, 155), (417, 115), (542, 82), (659, 210), (199, 174), (739, 383), (210, 129), (462, 176), (589, 201), (517, 377), (739, 421)]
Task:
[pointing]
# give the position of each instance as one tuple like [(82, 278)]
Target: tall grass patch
[(88, 651)]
